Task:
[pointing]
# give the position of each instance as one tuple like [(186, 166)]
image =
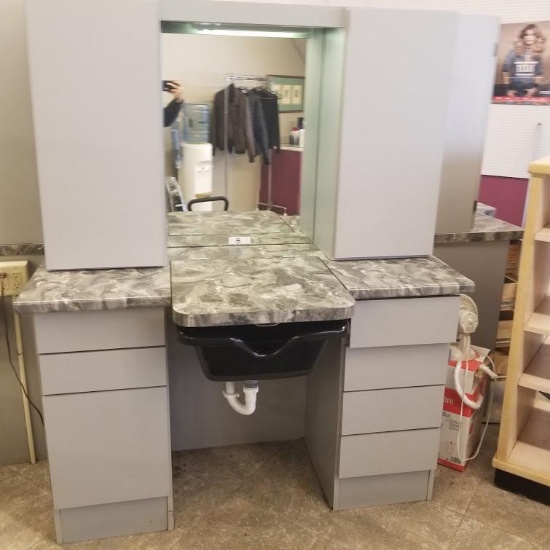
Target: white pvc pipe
[(250, 390)]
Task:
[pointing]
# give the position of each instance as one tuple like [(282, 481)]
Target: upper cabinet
[(96, 99), (393, 126), (384, 110)]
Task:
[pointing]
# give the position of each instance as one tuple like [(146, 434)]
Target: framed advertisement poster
[(523, 64), (290, 90)]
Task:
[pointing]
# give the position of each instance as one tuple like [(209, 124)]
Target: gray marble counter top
[(226, 223), (279, 277), (258, 291), (399, 278), (92, 290), (25, 249), (292, 237), (244, 252), (486, 228)]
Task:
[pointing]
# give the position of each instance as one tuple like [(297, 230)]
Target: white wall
[(19, 206), (201, 64)]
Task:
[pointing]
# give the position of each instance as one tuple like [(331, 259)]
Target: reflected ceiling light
[(221, 29)]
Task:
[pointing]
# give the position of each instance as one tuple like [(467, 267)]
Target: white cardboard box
[(461, 425)]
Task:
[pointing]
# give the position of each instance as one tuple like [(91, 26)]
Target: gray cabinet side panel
[(312, 105), (485, 264), (328, 145), (113, 520), (467, 117), (323, 413)]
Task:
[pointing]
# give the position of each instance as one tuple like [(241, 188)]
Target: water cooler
[(195, 176)]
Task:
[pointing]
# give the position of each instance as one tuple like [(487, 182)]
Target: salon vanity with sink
[(369, 409), (119, 388)]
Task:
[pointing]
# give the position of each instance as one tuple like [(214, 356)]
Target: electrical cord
[(492, 377), (5, 318)]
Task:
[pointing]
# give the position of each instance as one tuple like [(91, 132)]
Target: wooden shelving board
[(530, 457), (543, 234), (539, 322), (537, 373)]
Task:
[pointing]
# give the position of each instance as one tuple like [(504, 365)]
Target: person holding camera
[(173, 108)]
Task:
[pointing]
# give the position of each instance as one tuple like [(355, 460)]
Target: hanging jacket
[(259, 126), (240, 134), (270, 107)]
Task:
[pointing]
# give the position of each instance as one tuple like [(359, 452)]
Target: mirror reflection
[(240, 131)]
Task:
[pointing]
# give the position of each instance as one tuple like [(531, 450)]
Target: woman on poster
[(522, 67)]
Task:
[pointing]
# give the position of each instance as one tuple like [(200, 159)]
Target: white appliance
[(195, 176)]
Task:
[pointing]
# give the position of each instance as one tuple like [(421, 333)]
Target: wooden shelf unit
[(524, 440)]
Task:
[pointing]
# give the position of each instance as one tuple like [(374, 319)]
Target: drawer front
[(108, 446), (392, 410), (402, 322), (97, 330), (395, 367), (388, 453), (102, 370)]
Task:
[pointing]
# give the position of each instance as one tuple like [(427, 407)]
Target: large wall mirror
[(218, 61)]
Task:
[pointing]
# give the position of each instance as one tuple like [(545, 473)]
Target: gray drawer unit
[(395, 367), (107, 447), (99, 330), (392, 410), (404, 322), (102, 370), (388, 453)]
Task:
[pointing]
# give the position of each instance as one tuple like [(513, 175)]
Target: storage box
[(461, 424)]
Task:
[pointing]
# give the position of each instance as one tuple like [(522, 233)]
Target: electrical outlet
[(13, 277)]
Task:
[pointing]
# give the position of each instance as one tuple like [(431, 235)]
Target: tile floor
[(267, 496)]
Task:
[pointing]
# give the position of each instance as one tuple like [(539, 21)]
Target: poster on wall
[(290, 90), (523, 64)]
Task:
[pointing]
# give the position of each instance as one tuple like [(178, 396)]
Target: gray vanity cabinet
[(375, 439), (105, 399)]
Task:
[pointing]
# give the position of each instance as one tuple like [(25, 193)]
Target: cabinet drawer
[(108, 446), (405, 321), (392, 410), (96, 330), (102, 370), (395, 367), (388, 453)]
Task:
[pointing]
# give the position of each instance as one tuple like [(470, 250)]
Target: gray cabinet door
[(108, 446), (100, 157), (116, 369), (399, 322), (99, 330)]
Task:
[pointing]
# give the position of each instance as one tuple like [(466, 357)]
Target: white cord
[(492, 376)]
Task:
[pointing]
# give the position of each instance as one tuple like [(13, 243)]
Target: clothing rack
[(231, 79)]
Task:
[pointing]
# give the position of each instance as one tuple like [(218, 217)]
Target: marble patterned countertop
[(279, 277), (485, 229), (256, 291), (91, 290)]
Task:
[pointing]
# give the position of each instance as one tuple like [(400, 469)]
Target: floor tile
[(475, 535), (268, 497), (511, 513)]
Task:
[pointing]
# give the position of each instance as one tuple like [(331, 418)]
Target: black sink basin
[(260, 352)]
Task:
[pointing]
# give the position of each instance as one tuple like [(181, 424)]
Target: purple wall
[(507, 195)]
